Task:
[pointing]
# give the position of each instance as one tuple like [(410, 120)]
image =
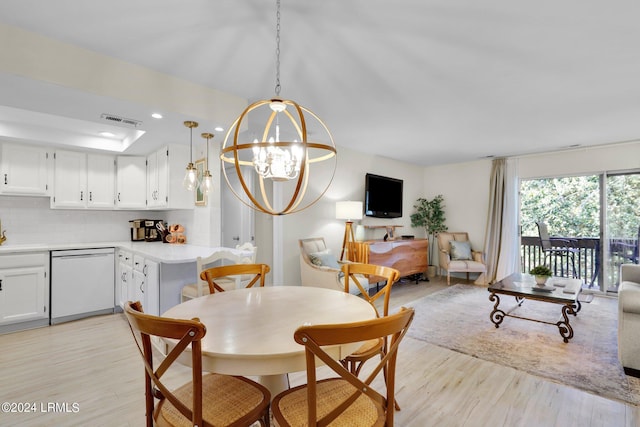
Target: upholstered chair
[(457, 256), (320, 267)]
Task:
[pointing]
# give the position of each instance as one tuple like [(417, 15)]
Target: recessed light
[(219, 129), (156, 115), (107, 134)]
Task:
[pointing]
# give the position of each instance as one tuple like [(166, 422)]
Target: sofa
[(629, 319)]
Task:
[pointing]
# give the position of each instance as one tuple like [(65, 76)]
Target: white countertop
[(157, 251)]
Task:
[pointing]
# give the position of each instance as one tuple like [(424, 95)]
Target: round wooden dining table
[(250, 331)]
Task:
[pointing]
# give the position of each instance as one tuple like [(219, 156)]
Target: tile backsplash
[(29, 220)]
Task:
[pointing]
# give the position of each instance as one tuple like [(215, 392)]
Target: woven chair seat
[(368, 349), (362, 413), (241, 398)]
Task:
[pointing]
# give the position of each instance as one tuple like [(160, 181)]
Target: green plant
[(541, 270), (430, 215)]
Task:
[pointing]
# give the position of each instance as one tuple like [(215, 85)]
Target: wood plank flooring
[(94, 364)]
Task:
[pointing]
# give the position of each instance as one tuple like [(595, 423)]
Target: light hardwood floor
[(93, 364)]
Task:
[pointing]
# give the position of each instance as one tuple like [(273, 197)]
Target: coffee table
[(558, 290)]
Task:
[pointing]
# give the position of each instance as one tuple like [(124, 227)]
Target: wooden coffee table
[(558, 290)]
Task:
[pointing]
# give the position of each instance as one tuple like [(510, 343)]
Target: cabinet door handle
[(118, 196), (0, 284), (142, 287), (91, 196), (81, 195), (5, 179)]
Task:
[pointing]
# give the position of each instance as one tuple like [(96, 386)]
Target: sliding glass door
[(596, 216)]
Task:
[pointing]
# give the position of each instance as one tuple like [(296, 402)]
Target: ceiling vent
[(121, 120)]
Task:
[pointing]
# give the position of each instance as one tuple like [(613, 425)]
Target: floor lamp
[(350, 211)]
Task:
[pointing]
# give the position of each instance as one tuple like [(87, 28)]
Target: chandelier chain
[(278, 48)]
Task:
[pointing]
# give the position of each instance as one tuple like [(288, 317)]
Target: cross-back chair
[(209, 400), (344, 399), (250, 273), (353, 274)]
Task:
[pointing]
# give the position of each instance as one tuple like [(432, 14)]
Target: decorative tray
[(544, 289)]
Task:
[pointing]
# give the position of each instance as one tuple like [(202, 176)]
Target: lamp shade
[(349, 210)]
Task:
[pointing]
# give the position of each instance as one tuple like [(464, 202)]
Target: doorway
[(238, 224)]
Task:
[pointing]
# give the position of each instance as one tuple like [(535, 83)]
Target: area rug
[(457, 318)]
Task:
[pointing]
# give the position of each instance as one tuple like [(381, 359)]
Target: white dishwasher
[(82, 283)]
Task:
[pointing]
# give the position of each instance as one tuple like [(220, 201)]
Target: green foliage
[(430, 215), (571, 205), (541, 270)]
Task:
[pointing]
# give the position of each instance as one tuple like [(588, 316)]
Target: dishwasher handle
[(80, 256)]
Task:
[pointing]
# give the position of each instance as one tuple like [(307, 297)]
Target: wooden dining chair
[(212, 399), (249, 273), (352, 274), (345, 399)]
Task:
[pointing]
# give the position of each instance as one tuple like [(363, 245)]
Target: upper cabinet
[(24, 170), (83, 180), (131, 182), (165, 170)]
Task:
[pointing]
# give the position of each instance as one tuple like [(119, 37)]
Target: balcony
[(588, 259)]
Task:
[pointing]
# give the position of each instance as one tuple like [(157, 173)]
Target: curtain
[(502, 248)]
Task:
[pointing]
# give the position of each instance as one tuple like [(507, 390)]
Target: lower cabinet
[(146, 284), (24, 291), (124, 277)]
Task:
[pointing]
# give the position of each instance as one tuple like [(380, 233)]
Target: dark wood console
[(409, 256)]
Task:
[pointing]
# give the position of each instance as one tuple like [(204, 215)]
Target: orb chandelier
[(292, 143)]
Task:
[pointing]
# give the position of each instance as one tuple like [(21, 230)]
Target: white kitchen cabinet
[(131, 182), (101, 181), (146, 284), (165, 171), (124, 278), (24, 290), (24, 170), (83, 180)]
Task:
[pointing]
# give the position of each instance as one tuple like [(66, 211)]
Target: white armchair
[(319, 267), (629, 319), (456, 255)]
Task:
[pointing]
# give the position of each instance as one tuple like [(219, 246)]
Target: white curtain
[(502, 246)]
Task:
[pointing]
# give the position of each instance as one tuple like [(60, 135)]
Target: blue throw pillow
[(460, 250), (324, 259)]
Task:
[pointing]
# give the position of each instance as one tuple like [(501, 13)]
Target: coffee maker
[(151, 233), (137, 230)]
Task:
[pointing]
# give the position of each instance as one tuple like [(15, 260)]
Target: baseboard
[(632, 372)]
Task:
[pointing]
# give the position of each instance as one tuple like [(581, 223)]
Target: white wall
[(348, 184)]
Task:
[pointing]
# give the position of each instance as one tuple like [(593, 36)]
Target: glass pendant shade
[(207, 183), (190, 181)]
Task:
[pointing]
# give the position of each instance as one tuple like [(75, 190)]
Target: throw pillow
[(324, 259), (460, 250)]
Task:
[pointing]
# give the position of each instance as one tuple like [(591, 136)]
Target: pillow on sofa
[(460, 250), (324, 259)]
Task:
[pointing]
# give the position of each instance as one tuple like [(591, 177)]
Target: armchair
[(629, 319), (321, 268), (456, 255)]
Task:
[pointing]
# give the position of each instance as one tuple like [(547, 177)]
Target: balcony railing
[(587, 259)]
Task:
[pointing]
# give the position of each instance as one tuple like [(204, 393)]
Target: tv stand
[(408, 256)]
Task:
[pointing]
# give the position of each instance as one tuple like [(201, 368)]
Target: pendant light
[(190, 181), (207, 180), (279, 151)]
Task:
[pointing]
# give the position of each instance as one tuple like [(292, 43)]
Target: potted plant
[(430, 215), (541, 274)]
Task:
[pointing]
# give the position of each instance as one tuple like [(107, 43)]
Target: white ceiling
[(422, 81)]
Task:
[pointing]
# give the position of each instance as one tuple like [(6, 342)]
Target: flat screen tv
[(383, 196)]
